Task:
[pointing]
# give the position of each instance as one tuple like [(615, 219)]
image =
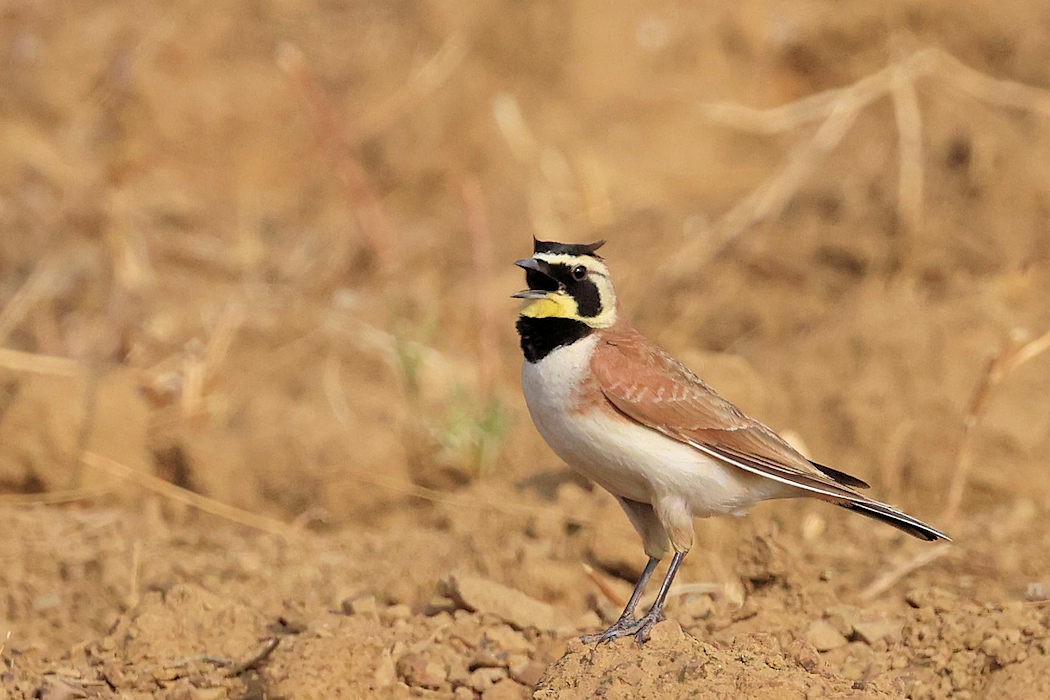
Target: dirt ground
[(261, 434)]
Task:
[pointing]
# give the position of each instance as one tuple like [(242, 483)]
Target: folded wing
[(649, 386)]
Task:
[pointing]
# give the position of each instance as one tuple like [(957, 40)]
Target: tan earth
[(261, 434)]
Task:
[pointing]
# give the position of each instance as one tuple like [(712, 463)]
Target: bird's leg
[(656, 613), (626, 624)]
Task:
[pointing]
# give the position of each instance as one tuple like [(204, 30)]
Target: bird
[(624, 413)]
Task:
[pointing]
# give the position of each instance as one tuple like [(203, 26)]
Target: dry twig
[(18, 361), (36, 287), (169, 490), (837, 109), (51, 498), (886, 581), (605, 589), (1012, 356), (361, 193), (268, 648), (483, 264)]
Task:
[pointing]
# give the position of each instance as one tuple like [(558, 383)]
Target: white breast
[(626, 458)]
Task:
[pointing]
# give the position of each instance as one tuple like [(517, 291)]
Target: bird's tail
[(892, 516)]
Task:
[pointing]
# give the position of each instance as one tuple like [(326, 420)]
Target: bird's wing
[(649, 386)]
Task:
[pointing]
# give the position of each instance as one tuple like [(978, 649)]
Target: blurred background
[(261, 252)]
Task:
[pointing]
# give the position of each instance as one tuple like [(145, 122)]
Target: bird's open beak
[(531, 294), (535, 265), (538, 266)]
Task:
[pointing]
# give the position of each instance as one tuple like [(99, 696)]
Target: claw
[(623, 627), (646, 624), (627, 627)]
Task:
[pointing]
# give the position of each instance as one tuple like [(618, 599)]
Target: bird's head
[(568, 281)]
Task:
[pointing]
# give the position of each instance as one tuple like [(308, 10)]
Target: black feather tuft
[(555, 248)]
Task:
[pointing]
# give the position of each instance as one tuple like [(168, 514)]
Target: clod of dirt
[(823, 636), (871, 632), (513, 607), (419, 672), (693, 668)]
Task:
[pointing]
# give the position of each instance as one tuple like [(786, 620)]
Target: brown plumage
[(644, 383)]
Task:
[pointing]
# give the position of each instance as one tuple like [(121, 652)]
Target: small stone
[(842, 618), (508, 640), (505, 690), (361, 605), (1036, 592), (931, 597), (462, 692), (527, 673), (696, 608), (481, 679), (512, 606), (823, 636), (805, 655), (385, 674), (667, 631), (588, 620), (489, 658), (871, 632), (439, 604), (398, 611), (415, 670)]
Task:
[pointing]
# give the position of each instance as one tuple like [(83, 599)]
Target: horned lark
[(624, 413)]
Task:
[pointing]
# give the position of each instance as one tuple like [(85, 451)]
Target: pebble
[(505, 690), (361, 605), (805, 654), (417, 671), (823, 636), (871, 632), (481, 679), (398, 611), (508, 604), (527, 672), (508, 640)]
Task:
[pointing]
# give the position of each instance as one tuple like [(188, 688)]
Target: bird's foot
[(626, 627), (646, 624)]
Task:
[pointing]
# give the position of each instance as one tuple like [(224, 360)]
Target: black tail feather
[(899, 520), (841, 477)]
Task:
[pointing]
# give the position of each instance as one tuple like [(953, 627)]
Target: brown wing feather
[(648, 385)]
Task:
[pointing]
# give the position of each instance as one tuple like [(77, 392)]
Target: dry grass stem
[(35, 287), (361, 194), (473, 501), (909, 140), (682, 589), (51, 498), (994, 91), (838, 109), (483, 262), (426, 79), (18, 361), (887, 580), (168, 490), (770, 198), (893, 458), (998, 368), (603, 587), (132, 599), (222, 337)]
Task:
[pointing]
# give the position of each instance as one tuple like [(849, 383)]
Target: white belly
[(626, 458)]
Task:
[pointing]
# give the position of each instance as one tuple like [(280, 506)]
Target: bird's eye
[(579, 272)]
